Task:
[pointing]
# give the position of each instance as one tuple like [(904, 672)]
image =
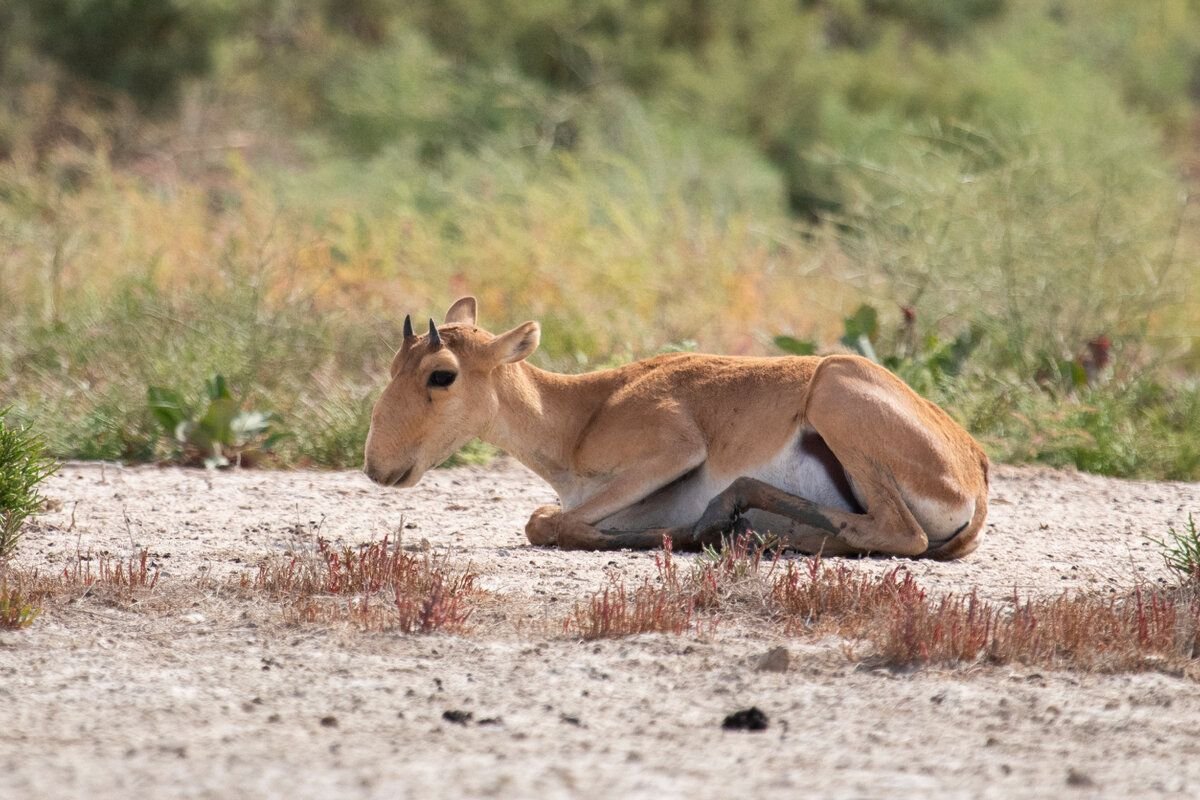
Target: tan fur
[(632, 450)]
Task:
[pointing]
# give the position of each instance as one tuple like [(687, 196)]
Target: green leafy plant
[(222, 434), (925, 363), (22, 467), (935, 362), (794, 346), (861, 331)]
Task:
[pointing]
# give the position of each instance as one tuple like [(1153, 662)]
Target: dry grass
[(614, 612), (380, 586), (902, 624), (112, 580), (377, 586), (670, 604), (677, 601), (809, 595), (122, 286), (119, 580), (374, 587), (907, 626)]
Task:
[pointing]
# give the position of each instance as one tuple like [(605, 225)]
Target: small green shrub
[(1181, 550), (22, 468), (16, 609)]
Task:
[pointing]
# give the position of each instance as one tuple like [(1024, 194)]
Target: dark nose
[(373, 472), (385, 478)]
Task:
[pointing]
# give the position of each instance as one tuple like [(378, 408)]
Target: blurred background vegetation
[(991, 196)]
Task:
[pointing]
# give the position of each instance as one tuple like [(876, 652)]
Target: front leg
[(672, 451), (549, 526)]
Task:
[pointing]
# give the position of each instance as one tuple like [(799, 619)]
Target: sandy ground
[(188, 694)]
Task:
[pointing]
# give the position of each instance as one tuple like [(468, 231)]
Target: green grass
[(1137, 428)]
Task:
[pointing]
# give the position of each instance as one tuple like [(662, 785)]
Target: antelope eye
[(440, 379)]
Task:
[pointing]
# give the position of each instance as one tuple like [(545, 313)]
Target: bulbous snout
[(388, 466), (388, 477)]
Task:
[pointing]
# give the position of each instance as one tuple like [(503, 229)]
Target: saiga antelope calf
[(831, 454)]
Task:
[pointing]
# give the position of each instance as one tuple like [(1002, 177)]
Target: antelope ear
[(463, 310), (516, 345)]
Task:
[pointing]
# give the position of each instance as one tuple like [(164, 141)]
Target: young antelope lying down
[(831, 454)]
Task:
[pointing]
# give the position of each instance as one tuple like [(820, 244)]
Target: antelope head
[(442, 393)]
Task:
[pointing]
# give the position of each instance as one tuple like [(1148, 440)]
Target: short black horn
[(434, 338), (408, 331)]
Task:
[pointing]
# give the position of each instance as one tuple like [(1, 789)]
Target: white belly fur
[(792, 469)]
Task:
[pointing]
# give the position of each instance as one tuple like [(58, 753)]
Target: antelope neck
[(542, 414)]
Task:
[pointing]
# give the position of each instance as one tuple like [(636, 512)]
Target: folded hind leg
[(888, 528), (920, 478)]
